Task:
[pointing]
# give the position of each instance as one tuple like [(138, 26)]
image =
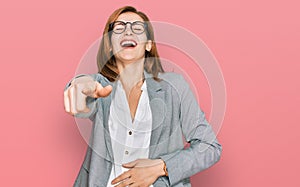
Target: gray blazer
[(176, 117)]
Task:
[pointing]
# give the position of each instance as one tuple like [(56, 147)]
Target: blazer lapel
[(158, 109)]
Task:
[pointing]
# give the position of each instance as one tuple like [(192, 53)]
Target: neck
[(131, 74)]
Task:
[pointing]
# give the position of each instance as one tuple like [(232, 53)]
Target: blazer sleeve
[(90, 101), (204, 150)]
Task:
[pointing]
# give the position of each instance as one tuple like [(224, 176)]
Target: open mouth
[(128, 43)]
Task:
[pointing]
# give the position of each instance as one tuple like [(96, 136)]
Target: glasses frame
[(111, 26)]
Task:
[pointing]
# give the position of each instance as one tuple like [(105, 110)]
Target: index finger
[(102, 91)]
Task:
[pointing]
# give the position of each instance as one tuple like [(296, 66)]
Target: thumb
[(130, 164)]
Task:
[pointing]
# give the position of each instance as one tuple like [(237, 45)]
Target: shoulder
[(101, 79), (171, 77), (177, 81)]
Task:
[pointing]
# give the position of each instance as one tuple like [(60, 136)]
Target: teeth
[(128, 43)]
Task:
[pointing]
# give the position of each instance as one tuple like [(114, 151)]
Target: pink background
[(255, 42)]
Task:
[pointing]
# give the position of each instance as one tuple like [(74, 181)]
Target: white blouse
[(130, 139)]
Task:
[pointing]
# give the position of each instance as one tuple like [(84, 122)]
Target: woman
[(139, 113)]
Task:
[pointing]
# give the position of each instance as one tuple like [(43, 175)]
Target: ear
[(148, 45)]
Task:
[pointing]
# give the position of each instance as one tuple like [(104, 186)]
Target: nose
[(128, 30)]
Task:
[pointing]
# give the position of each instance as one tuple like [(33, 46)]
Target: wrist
[(162, 168)]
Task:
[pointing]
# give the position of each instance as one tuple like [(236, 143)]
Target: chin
[(129, 58)]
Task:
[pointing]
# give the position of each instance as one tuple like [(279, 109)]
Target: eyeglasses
[(118, 27)]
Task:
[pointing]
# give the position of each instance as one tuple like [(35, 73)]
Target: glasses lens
[(119, 27), (138, 27)]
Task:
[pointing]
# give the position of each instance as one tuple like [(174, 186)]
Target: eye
[(118, 27), (138, 27)]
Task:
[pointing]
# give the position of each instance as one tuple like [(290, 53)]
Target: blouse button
[(126, 152), (130, 133)]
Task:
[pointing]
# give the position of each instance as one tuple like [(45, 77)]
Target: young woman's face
[(129, 46)]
